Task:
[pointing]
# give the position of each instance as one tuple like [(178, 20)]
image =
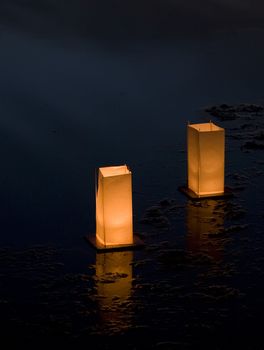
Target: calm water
[(66, 110), (70, 106)]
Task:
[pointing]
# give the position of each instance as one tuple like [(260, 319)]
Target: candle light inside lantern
[(206, 158), (114, 219)]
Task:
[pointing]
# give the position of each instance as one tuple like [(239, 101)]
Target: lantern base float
[(137, 244), (192, 195)]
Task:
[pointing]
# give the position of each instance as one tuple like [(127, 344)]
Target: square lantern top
[(205, 127), (114, 170)]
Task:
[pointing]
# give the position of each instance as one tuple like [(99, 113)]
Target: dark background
[(139, 20), (85, 84)]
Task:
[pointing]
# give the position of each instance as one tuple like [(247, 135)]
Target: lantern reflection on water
[(204, 221), (114, 284)]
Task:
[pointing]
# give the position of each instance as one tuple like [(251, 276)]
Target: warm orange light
[(206, 158), (204, 221), (114, 220), (114, 285), (114, 275)]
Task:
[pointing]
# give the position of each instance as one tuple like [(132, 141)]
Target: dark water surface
[(70, 105)]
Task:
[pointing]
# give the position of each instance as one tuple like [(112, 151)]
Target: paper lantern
[(206, 161), (206, 158), (114, 275), (114, 224), (114, 212)]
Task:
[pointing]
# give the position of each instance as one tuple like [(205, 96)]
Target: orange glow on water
[(204, 221), (114, 285)]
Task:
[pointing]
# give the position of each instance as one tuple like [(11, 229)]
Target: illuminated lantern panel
[(206, 159), (114, 219)]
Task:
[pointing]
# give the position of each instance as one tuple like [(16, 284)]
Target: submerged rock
[(252, 145), (155, 216)]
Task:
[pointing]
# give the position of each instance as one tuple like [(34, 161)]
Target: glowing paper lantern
[(114, 206), (206, 160), (114, 213)]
